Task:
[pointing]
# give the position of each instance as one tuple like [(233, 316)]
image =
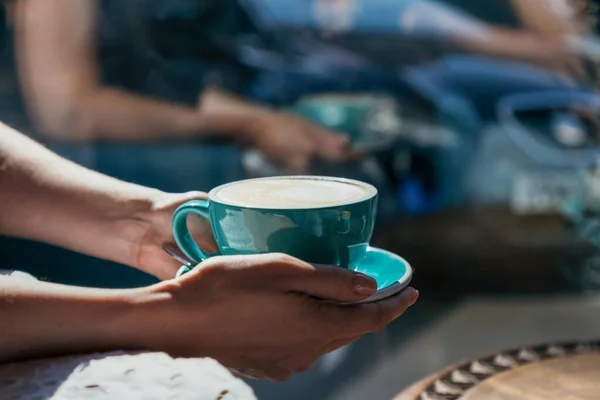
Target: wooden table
[(120, 376), (568, 371)]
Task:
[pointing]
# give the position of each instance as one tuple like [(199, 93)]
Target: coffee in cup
[(293, 193)]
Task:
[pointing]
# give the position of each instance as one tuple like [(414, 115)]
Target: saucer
[(392, 273)]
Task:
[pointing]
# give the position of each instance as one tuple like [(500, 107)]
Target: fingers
[(368, 318), (376, 316), (356, 155), (283, 273), (327, 144), (201, 232), (338, 344), (199, 228), (302, 363), (331, 283), (333, 146), (298, 156), (273, 373), (307, 360)]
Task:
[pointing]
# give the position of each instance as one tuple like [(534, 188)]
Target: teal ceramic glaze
[(340, 112), (392, 272), (337, 235), (385, 267)]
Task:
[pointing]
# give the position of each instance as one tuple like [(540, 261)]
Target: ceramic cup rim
[(373, 192)]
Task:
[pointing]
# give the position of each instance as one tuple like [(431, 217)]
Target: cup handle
[(182, 235)]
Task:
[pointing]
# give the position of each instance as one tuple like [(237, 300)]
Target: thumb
[(332, 283)]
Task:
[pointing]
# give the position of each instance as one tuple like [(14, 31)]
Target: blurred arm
[(547, 23), (519, 44), (58, 66), (469, 33)]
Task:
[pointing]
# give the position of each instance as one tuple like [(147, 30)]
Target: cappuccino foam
[(293, 192)]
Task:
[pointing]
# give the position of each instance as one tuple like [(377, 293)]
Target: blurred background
[(478, 121)]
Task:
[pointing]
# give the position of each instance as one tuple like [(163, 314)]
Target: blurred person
[(527, 30), (265, 316), (539, 32), (85, 69), (548, 17)]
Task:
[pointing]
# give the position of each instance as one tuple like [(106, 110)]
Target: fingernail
[(364, 285), (414, 298)]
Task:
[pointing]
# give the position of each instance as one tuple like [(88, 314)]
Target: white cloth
[(119, 376)]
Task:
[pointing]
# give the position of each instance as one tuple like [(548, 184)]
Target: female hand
[(263, 315), (294, 143), (150, 255)]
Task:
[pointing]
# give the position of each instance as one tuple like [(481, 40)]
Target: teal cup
[(317, 229)]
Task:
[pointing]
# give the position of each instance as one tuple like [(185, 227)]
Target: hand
[(294, 143), (288, 141), (261, 315), (151, 257)]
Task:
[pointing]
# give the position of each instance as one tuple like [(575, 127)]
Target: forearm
[(227, 114), (69, 101), (40, 319), (46, 198), (106, 114)]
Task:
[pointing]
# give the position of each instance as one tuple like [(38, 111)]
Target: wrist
[(259, 124), (129, 320), (136, 219), (115, 321), (228, 115), (173, 319), (67, 320), (150, 325), (148, 229)]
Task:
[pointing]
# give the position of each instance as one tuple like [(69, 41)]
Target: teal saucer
[(392, 273)]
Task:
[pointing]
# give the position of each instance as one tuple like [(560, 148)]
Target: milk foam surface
[(293, 193)]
